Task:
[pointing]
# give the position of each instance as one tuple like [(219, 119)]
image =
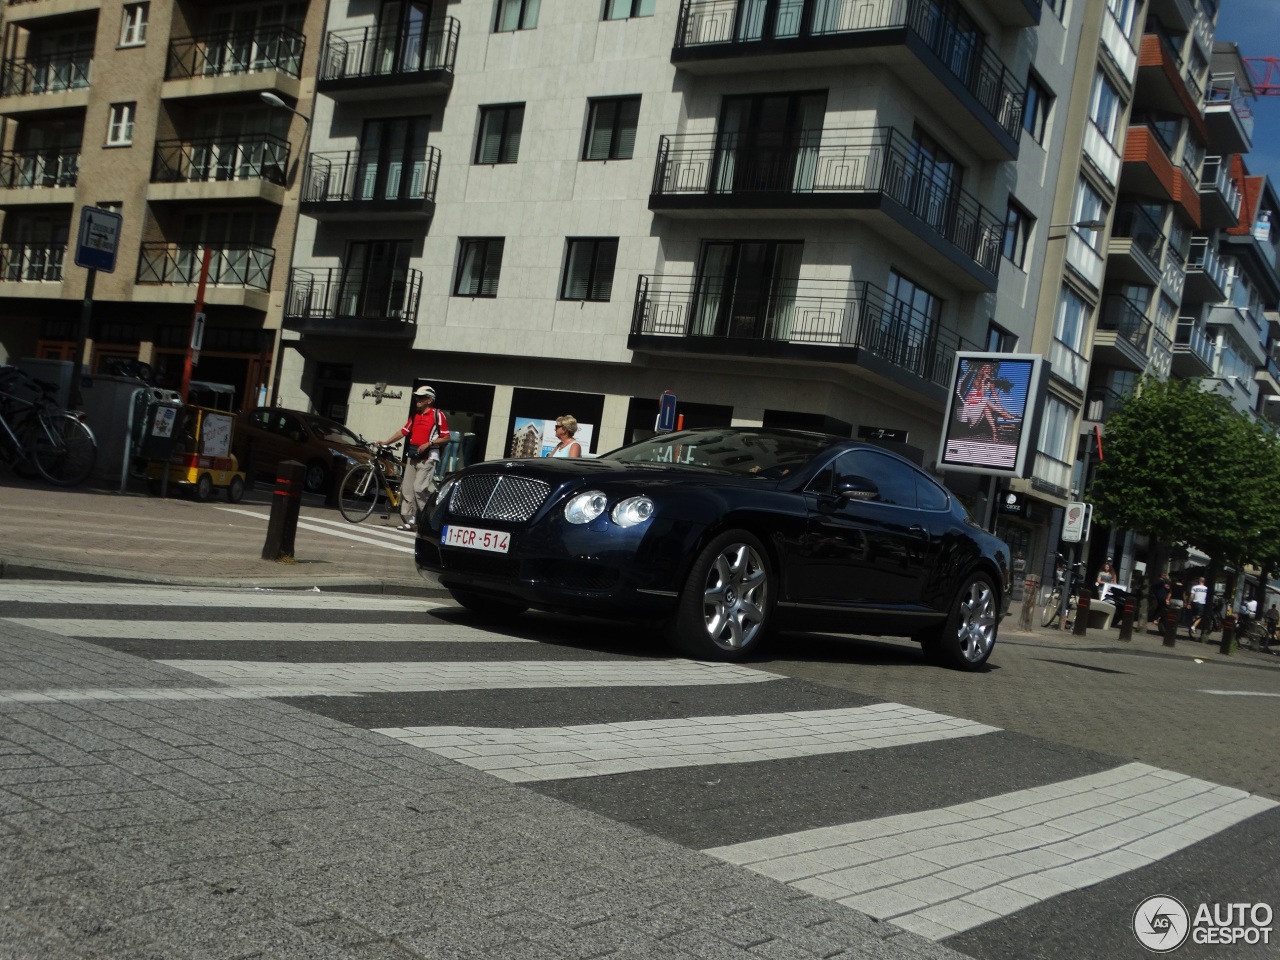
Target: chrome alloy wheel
[(977, 621), (735, 597)]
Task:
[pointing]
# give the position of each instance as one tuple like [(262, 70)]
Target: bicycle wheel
[(62, 448), (1052, 607), (358, 494)]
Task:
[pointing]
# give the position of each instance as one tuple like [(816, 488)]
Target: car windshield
[(761, 452), (331, 432)]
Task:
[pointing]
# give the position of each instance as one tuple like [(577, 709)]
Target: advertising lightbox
[(992, 413)]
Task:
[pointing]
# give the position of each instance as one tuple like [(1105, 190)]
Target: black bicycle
[(365, 484), (38, 437)]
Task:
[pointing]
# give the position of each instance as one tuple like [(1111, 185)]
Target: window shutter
[(602, 281), (629, 116), (492, 267), (601, 129)]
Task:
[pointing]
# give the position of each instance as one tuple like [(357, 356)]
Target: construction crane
[(1264, 72)]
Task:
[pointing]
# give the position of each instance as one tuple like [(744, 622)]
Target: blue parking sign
[(666, 412), (98, 239)]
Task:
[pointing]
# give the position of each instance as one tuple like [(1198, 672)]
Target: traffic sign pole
[(197, 326), (82, 337)]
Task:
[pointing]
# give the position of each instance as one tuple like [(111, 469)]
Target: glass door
[(393, 158), (374, 279), (769, 143), (746, 289)]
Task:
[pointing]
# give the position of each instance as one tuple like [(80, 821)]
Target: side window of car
[(895, 480), (929, 495), (261, 419)]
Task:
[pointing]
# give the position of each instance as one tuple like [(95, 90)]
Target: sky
[(1254, 26)]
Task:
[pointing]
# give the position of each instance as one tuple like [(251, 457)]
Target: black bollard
[(1126, 618), (1169, 624), (1082, 613), (285, 505), (1227, 645)]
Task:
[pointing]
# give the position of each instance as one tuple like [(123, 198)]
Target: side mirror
[(855, 488)]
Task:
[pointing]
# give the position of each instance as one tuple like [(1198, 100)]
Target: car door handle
[(916, 530)]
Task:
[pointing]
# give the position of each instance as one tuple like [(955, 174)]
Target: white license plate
[(475, 539)]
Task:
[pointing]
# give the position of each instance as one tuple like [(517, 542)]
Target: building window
[(500, 127), (517, 15), (1000, 340), (611, 129), (1089, 206), (625, 9), (120, 125), (1072, 319), (479, 263), (133, 30), (1017, 229), (588, 269), (1104, 107), (1055, 430), (1035, 111)]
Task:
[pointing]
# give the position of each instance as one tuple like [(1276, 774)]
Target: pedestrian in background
[(1161, 593), (1199, 596), (1273, 621), (424, 434), (565, 428)]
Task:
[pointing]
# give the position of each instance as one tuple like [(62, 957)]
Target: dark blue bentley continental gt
[(721, 535)]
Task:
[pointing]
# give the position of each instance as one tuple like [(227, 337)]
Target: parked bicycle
[(37, 437), (365, 484), (1053, 603)]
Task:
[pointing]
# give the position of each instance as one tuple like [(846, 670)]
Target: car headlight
[(442, 494), (631, 511), (585, 507)]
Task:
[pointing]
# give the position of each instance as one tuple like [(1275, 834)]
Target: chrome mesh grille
[(491, 496)]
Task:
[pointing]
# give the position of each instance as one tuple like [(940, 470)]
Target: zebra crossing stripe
[(592, 750), (418, 676), (120, 595), (256, 631), (939, 872)]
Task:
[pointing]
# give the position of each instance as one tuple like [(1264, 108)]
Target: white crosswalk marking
[(73, 594), (943, 871), (79, 695), (558, 753), (261, 631), (403, 542), (412, 677)]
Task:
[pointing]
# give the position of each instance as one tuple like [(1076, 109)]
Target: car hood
[(588, 472)]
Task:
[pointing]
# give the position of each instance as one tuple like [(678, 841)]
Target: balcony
[(1219, 195), (1017, 13), (367, 63), (1123, 336), (1206, 273), (353, 302), (55, 82), (1136, 246), (1175, 14), (1101, 403), (38, 177), (253, 167), (21, 11), (1148, 171), (1099, 151), (1118, 46), (870, 174), (31, 270), (352, 185), (1051, 476), (954, 70), (239, 273), (818, 321), (236, 62), (1228, 116), (1068, 364), (1245, 325), (1163, 85)]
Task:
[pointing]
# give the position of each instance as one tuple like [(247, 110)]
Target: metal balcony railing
[(369, 175), (1215, 172), (31, 262), (1135, 224), (831, 312), (336, 293), (1223, 89), (211, 159), (1127, 320), (875, 160), (964, 54), (53, 73), (1190, 338), (388, 51), (1101, 403), (230, 264), (1203, 258), (236, 52), (22, 169)]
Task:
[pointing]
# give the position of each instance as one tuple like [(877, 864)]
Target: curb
[(19, 568)]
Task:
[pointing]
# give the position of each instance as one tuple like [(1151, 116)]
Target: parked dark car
[(267, 435), (721, 535)]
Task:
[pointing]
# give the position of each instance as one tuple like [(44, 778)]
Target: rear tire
[(967, 638), (203, 490), (358, 494), (724, 610), (487, 608), (67, 457), (1052, 608), (235, 490)]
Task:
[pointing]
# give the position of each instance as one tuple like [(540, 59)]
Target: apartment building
[(152, 110), (787, 213)]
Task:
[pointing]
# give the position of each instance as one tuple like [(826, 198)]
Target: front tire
[(725, 607), (62, 448), (969, 634), (235, 490), (358, 494), (316, 477)]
